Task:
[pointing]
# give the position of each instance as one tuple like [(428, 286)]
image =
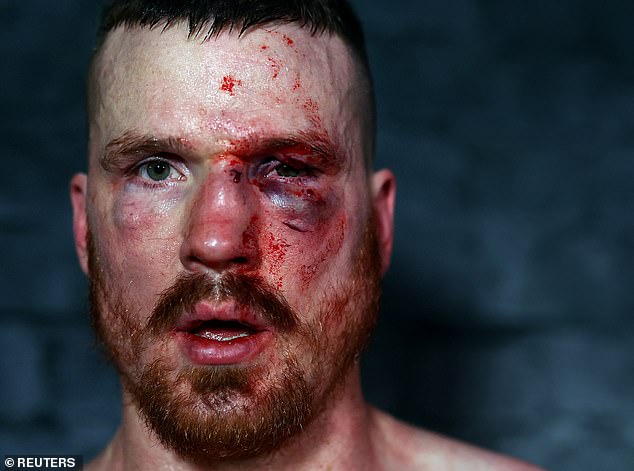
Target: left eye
[(158, 171), (287, 171)]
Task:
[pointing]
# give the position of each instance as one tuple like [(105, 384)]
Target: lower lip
[(203, 351)]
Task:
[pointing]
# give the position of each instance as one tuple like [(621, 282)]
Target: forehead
[(278, 79)]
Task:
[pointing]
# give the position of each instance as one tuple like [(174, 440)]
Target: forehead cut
[(165, 79)]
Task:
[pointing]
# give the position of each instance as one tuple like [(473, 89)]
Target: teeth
[(220, 337)]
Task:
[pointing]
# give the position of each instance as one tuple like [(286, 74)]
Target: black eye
[(158, 170), (284, 170)]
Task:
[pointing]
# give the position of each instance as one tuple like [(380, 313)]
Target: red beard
[(213, 413)]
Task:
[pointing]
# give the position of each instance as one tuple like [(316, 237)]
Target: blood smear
[(228, 84)]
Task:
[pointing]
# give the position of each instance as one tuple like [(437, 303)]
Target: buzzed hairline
[(207, 19), (362, 72)]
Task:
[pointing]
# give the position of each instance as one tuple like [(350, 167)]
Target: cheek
[(275, 246), (316, 259), (295, 260), (301, 208), (144, 232), (307, 230), (136, 214)]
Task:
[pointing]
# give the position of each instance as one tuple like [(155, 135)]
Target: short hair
[(208, 18)]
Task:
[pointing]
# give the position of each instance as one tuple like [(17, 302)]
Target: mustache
[(248, 290)]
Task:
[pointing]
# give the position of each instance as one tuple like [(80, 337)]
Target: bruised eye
[(158, 171), (292, 171), (284, 170)]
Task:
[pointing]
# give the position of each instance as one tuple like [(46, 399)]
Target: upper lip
[(230, 312)]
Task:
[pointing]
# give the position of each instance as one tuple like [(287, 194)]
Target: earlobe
[(383, 197), (78, 187)]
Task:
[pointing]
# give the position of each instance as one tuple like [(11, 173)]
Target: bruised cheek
[(298, 259), (134, 214), (311, 235), (146, 223), (300, 208)]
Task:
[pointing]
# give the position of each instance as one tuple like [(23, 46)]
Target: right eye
[(158, 170)]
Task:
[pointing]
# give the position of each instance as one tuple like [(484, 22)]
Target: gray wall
[(507, 312)]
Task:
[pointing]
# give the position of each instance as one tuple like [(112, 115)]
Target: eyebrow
[(118, 151), (318, 145)]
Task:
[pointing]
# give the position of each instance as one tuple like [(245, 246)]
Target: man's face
[(232, 234)]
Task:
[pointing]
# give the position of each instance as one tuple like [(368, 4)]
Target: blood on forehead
[(313, 149)]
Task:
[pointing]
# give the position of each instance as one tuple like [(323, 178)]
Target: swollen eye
[(158, 170), (284, 170)]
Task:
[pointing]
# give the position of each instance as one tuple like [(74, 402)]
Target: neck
[(339, 438)]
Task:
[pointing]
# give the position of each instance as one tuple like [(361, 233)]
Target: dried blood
[(229, 83)]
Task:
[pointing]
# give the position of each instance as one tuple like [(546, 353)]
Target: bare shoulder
[(405, 447)]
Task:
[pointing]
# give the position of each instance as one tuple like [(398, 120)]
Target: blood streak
[(297, 85), (332, 246), (240, 147), (276, 252), (228, 84), (275, 65), (288, 40), (312, 108), (311, 105), (232, 166)]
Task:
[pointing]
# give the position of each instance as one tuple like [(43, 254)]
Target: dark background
[(507, 312)]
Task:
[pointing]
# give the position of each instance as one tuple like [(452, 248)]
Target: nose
[(219, 234)]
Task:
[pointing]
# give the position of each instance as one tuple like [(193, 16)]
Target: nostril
[(240, 260)]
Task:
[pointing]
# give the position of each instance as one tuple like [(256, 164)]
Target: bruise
[(301, 209)]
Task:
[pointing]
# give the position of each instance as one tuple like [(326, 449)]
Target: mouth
[(222, 335), (222, 331)]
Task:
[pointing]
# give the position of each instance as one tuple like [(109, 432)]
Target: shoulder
[(405, 447)]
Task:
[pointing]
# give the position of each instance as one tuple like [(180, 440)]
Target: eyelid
[(173, 161), (270, 165), (291, 161)]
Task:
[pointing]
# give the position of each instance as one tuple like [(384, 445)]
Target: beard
[(219, 413)]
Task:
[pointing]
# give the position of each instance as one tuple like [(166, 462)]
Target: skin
[(217, 102)]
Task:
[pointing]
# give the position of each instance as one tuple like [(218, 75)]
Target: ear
[(78, 186), (383, 196)]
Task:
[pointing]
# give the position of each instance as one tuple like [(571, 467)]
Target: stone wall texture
[(507, 317)]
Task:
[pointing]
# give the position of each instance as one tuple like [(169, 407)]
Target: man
[(235, 237)]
